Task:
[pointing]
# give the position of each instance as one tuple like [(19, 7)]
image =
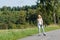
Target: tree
[(3, 8), (9, 8), (14, 9), (48, 9)]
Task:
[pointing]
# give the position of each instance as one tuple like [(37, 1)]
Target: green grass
[(14, 34)]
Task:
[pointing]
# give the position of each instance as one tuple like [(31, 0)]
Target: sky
[(20, 3)]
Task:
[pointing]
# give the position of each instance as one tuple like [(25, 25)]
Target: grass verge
[(14, 34)]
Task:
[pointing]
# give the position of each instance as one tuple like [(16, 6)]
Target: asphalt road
[(52, 35)]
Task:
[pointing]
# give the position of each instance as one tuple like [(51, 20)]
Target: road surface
[(52, 35)]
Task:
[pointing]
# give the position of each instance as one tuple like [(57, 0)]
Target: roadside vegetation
[(14, 34)]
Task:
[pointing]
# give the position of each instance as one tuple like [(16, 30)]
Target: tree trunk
[(54, 16)]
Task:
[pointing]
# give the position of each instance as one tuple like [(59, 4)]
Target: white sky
[(17, 2)]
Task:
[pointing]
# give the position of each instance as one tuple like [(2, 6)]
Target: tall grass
[(14, 34)]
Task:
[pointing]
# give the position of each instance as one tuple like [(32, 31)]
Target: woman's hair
[(39, 16)]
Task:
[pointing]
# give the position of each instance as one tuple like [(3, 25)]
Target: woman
[(40, 25)]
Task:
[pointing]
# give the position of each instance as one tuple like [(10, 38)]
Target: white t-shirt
[(40, 21)]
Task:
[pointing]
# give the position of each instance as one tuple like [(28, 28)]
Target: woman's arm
[(42, 21)]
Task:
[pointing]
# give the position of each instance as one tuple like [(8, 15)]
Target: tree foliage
[(19, 17)]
